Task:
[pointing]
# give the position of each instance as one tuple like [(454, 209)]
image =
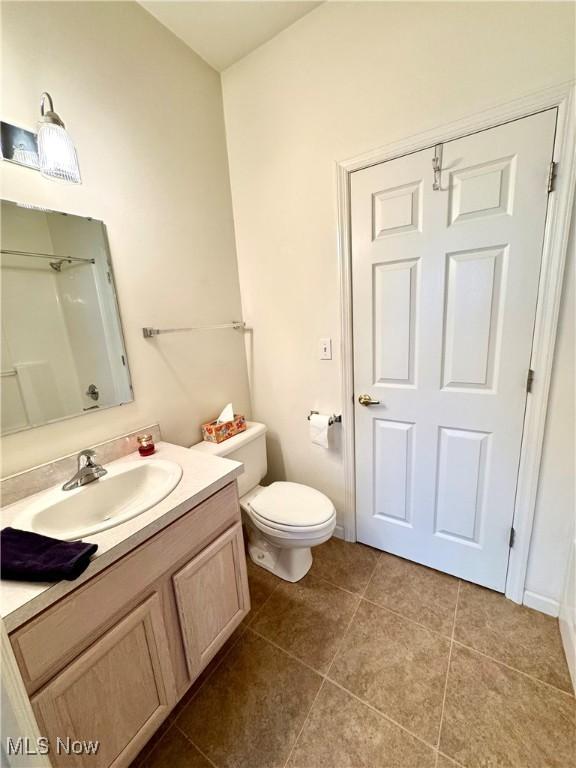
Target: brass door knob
[(367, 400)]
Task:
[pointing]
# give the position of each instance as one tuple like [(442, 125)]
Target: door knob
[(367, 400)]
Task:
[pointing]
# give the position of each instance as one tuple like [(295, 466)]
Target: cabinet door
[(212, 597), (118, 692)]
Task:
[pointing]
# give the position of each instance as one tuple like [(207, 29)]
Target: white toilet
[(284, 520)]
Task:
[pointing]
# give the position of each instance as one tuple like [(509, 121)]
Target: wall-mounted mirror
[(62, 346)]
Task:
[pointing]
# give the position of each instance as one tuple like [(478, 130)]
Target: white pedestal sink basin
[(128, 489)]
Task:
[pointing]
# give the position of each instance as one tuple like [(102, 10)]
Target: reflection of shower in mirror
[(61, 328)]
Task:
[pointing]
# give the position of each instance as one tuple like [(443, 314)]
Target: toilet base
[(288, 563)]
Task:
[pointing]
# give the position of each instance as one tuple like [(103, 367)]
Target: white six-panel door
[(445, 284)]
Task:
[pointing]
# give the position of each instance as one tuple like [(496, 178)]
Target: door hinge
[(552, 171), (109, 276), (512, 537), (529, 380)]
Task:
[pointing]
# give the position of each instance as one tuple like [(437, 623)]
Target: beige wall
[(146, 115), (343, 80)]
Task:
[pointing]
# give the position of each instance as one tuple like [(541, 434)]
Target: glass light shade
[(57, 154)]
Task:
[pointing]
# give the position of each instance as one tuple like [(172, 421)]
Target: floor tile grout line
[(325, 678), (142, 763), (288, 653), (349, 591), (251, 628), (382, 714), (226, 654), (358, 698), (212, 672), (448, 667), (371, 575), (503, 663), (362, 701), (343, 638), (452, 760), (406, 618), (345, 633), (452, 639), (456, 609), (339, 586), (304, 722), (266, 601), (204, 755), (513, 669), (357, 595), (248, 628)]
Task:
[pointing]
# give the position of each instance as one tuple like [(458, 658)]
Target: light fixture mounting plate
[(19, 146)]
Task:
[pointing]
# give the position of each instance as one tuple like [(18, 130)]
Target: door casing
[(560, 203)]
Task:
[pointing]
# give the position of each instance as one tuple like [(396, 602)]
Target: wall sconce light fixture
[(56, 151), (51, 151)]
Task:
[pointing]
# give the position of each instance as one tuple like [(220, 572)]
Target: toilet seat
[(290, 531), (285, 506)]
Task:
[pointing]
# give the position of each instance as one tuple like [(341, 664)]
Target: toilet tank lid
[(253, 430)]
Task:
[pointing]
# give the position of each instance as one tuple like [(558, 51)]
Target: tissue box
[(216, 433)]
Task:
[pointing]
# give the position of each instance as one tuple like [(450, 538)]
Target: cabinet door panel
[(117, 692), (212, 597)]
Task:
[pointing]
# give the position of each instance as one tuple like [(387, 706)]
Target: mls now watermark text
[(24, 745)]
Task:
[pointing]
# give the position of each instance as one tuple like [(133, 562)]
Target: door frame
[(555, 247)]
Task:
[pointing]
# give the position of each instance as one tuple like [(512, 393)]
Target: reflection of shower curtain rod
[(50, 256)]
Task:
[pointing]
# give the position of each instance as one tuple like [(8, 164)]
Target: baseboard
[(541, 603), (569, 643), (340, 532), (568, 616)]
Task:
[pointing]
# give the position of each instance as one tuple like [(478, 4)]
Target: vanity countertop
[(202, 475)]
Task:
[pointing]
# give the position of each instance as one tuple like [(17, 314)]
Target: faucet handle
[(87, 454)]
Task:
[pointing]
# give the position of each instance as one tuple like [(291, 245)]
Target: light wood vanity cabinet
[(110, 660)]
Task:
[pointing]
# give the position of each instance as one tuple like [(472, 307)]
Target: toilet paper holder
[(334, 419)]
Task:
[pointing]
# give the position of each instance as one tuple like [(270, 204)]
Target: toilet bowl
[(283, 520)]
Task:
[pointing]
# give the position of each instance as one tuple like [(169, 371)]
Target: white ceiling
[(222, 32)]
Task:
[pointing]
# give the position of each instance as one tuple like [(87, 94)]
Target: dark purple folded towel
[(29, 556)]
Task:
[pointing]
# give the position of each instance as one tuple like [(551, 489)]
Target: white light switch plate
[(325, 349)]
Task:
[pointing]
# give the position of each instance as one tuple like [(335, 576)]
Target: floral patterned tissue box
[(216, 433)]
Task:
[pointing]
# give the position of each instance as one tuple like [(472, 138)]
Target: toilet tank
[(249, 447)]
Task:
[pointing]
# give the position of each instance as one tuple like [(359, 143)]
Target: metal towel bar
[(149, 333)]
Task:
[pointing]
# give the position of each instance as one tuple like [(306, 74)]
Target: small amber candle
[(146, 445)]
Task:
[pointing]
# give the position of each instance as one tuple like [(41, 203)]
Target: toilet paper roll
[(319, 423)]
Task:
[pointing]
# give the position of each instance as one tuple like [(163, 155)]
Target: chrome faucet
[(88, 471)]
